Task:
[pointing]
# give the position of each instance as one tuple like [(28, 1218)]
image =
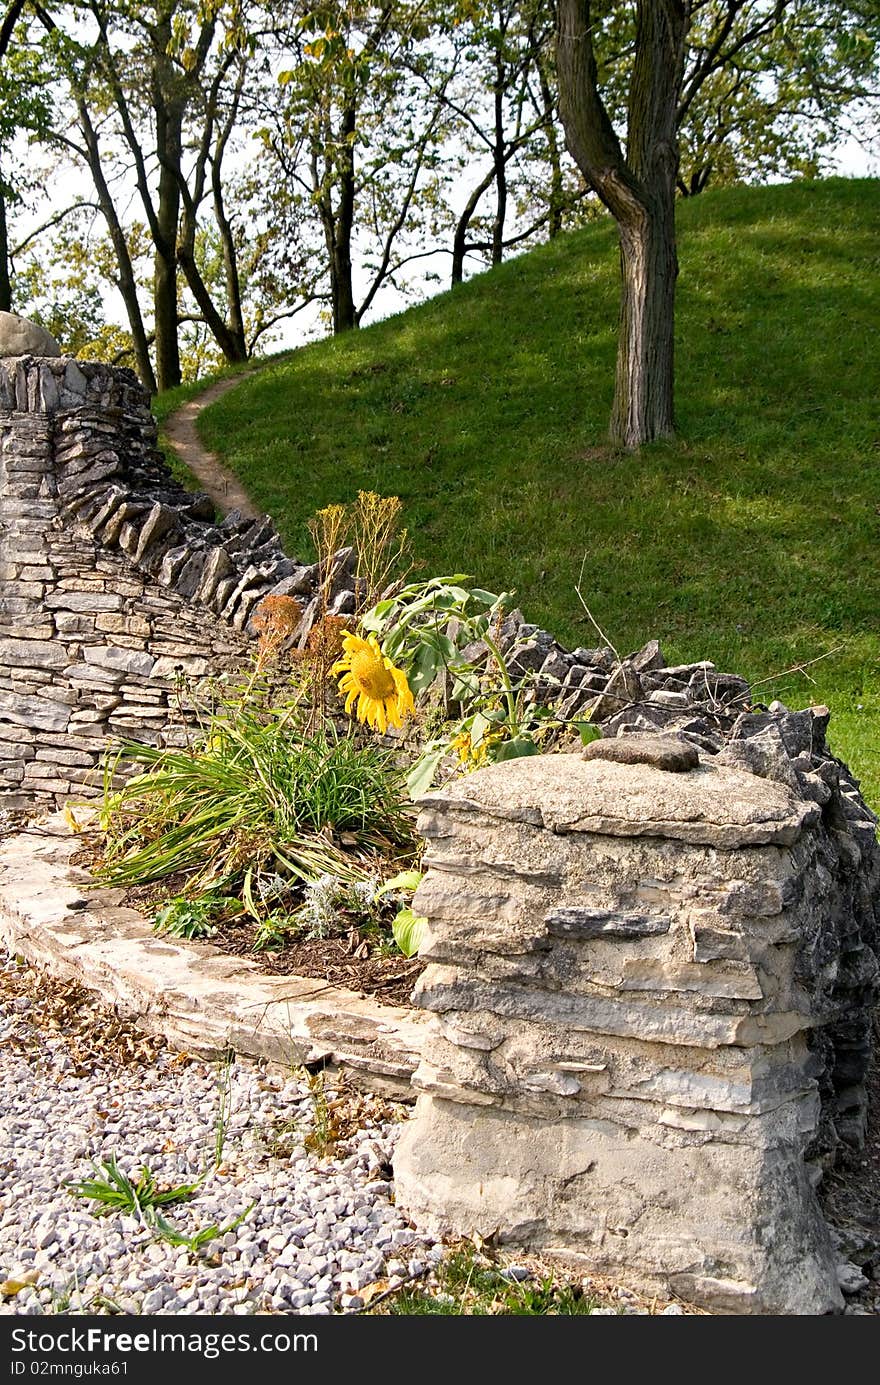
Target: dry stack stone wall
[(652, 995), (114, 581)]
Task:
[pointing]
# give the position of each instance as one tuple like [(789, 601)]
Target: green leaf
[(409, 929), (587, 731), (421, 776), (375, 617), (404, 880), (480, 724), (427, 663), (466, 685), (515, 749)]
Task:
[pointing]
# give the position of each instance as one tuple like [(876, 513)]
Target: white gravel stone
[(313, 1220)]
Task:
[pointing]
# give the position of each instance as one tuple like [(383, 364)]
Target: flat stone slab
[(663, 752), (202, 1000), (712, 805)]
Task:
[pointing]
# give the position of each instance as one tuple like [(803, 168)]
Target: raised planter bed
[(200, 999)]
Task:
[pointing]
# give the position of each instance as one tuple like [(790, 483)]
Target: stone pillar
[(633, 975)]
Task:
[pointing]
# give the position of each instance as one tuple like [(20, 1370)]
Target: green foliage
[(196, 1241), (750, 540), (183, 917), (407, 927), (322, 1135), (254, 797), (434, 629), (110, 1190), (469, 1283), (265, 820), (113, 1191), (769, 88)]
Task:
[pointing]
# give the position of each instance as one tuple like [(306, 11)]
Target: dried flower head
[(324, 642), (277, 615), (275, 620)]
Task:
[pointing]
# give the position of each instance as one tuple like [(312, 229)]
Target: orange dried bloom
[(324, 642), (277, 616)]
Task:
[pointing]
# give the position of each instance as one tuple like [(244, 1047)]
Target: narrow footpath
[(221, 484)]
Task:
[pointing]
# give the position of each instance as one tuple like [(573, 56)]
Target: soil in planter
[(351, 961)]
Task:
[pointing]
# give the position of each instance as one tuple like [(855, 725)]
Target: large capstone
[(20, 337)]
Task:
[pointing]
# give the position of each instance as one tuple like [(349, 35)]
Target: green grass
[(467, 1284), (751, 540)]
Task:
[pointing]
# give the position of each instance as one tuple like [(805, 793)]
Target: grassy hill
[(753, 540)]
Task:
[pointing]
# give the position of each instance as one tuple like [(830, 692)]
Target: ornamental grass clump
[(254, 798)]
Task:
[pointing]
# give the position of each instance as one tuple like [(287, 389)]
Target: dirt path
[(222, 486)]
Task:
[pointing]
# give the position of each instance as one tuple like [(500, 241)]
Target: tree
[(24, 104), (503, 106), (638, 188), (155, 92), (739, 80), (352, 137)]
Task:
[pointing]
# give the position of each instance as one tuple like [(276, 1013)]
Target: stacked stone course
[(113, 579)]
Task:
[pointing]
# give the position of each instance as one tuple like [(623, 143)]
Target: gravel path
[(313, 1230)]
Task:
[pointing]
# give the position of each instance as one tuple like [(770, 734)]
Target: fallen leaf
[(371, 1291), (10, 1287)]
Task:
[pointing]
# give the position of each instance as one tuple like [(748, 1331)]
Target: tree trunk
[(169, 122), (5, 286), (230, 265), (556, 200), (500, 165), (126, 281), (643, 393), (459, 244), (639, 191), (341, 287)]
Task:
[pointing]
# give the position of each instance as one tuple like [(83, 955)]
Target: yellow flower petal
[(368, 678)]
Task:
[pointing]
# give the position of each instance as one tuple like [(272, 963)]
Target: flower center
[(372, 676)]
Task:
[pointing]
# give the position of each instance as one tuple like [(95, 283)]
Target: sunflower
[(371, 680)]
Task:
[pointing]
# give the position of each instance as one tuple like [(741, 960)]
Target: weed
[(113, 1191), (182, 917), (224, 1093), (322, 1137), (470, 1283)]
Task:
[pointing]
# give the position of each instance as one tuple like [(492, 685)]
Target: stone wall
[(113, 579), (652, 995)]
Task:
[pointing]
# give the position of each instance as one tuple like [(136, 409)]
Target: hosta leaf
[(408, 929)]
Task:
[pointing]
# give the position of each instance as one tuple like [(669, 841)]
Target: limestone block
[(83, 601), (42, 713), (20, 337), (717, 806), (663, 752), (110, 656), (167, 666), (617, 1201)]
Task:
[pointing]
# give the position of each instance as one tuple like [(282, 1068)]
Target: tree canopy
[(219, 167)]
